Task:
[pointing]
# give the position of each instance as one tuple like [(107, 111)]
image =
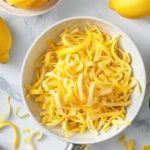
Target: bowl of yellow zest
[(28, 7), (83, 80)]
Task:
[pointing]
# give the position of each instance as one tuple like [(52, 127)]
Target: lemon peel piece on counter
[(130, 144), (26, 130), (5, 116), (121, 140), (5, 42), (29, 138), (20, 116), (87, 147), (13, 126), (83, 81)]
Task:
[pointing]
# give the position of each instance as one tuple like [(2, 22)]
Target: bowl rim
[(31, 14), (22, 86)]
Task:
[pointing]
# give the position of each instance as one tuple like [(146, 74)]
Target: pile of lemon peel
[(20, 116), (29, 138), (27, 4), (83, 82)]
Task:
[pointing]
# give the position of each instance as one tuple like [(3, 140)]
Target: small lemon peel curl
[(17, 113), (16, 140), (28, 139)]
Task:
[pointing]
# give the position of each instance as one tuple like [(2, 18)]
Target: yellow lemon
[(5, 41), (25, 4), (38, 3), (131, 8)]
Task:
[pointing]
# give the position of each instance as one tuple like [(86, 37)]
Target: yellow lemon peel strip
[(20, 116), (28, 139), (87, 147), (26, 130), (84, 81), (130, 145), (122, 140), (5, 116), (16, 141)]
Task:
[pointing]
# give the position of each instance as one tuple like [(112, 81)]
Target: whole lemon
[(131, 8), (5, 41)]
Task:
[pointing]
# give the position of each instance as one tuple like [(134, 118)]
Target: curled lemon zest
[(16, 140), (129, 146), (19, 116), (5, 116), (28, 139), (26, 130), (122, 140)]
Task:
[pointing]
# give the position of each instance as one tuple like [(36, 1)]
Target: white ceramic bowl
[(40, 45), (28, 12)]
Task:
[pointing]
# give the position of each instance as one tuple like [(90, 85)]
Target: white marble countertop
[(24, 32)]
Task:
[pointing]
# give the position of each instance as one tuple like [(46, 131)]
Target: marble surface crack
[(5, 86)]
